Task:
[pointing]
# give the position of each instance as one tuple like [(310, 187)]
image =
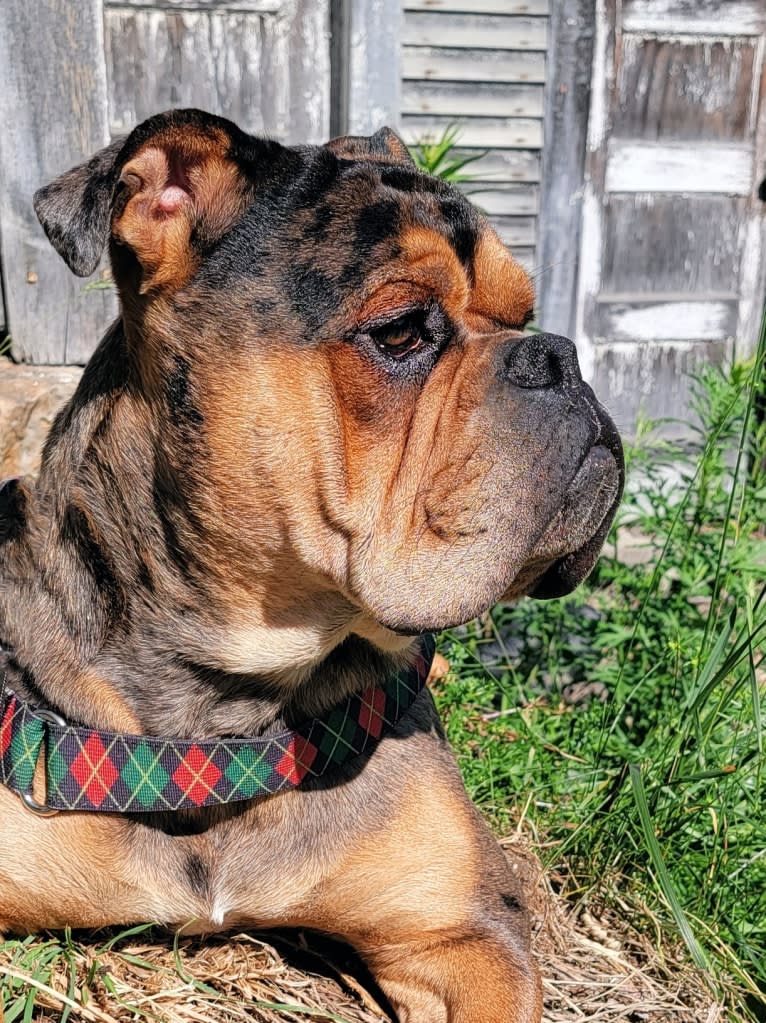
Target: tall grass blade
[(754, 691), (707, 675), (663, 876), (743, 447)]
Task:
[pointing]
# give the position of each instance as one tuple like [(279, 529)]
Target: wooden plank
[(245, 6), (462, 65), (3, 317), (667, 198), (602, 73), (478, 132), (472, 99), (684, 89), (480, 6), (374, 73), (566, 126), (308, 77), (214, 60), (496, 165), (652, 379), (682, 243), (526, 257), (268, 74), (678, 319), (589, 264), (516, 232), (53, 110), (512, 200), (752, 306), (656, 167), (694, 17), (474, 32)]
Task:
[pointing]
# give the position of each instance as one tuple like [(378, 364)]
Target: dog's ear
[(175, 186), (384, 146), (180, 188), (75, 209)]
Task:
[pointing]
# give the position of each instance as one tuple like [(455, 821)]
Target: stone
[(30, 397)]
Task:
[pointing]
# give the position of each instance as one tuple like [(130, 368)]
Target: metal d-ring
[(42, 809)]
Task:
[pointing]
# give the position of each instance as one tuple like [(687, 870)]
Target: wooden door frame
[(580, 176), (565, 129), (365, 91)]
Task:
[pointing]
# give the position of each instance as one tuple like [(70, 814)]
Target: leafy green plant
[(103, 282), (624, 724), (437, 157)]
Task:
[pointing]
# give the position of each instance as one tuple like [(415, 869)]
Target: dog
[(316, 433)]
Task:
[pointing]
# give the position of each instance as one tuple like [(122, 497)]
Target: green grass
[(623, 725)]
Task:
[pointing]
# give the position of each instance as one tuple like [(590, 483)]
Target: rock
[(30, 397)]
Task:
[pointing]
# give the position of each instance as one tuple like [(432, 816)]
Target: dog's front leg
[(432, 905), (472, 977), (84, 870)]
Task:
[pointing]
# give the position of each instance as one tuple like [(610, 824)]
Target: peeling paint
[(671, 321), (696, 167)]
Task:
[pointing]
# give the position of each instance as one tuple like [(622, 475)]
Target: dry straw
[(596, 968)]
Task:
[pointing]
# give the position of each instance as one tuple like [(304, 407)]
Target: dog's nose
[(542, 360)]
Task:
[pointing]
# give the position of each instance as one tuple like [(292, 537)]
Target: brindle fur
[(247, 510)]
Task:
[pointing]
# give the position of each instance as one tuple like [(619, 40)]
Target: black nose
[(542, 360)]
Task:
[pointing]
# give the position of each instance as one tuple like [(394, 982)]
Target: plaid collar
[(108, 772)]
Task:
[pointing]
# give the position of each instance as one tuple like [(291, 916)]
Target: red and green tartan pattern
[(119, 773), (21, 735)]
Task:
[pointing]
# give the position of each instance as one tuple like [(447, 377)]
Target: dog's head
[(332, 343)]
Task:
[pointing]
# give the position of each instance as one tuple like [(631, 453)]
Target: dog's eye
[(410, 343), (403, 335)]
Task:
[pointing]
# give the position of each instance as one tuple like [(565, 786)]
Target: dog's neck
[(105, 602)]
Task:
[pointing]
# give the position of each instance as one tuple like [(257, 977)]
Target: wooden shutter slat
[(483, 133), (474, 31), (467, 65), (480, 6), (475, 99)]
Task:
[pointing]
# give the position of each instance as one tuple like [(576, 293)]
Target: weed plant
[(624, 724), (437, 157)]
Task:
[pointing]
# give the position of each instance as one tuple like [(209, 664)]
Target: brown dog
[(314, 433)]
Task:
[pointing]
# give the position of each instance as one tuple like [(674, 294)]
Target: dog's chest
[(251, 870)]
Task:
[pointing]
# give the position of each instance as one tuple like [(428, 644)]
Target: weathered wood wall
[(623, 145), (263, 63), (75, 73), (53, 110), (672, 268), (480, 64)]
